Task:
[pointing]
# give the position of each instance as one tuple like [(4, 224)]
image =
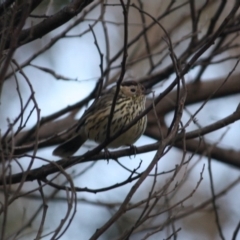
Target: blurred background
[(191, 192)]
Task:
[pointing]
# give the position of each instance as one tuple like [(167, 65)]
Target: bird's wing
[(98, 105)]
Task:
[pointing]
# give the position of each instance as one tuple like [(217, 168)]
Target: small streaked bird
[(93, 124)]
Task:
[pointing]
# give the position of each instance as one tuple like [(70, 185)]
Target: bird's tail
[(69, 147)]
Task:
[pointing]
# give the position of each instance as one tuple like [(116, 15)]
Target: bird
[(93, 125)]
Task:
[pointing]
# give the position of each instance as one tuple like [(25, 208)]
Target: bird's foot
[(133, 150), (107, 154)]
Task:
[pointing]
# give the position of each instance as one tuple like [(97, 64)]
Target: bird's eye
[(133, 90)]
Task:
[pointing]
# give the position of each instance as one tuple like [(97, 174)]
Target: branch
[(50, 24)]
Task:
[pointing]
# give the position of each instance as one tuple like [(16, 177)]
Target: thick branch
[(53, 22)]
